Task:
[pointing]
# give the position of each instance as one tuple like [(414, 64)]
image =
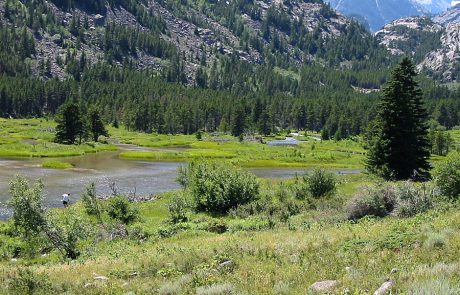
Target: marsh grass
[(20, 138), (271, 253), (54, 164)]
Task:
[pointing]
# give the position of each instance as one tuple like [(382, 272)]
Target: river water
[(142, 177)]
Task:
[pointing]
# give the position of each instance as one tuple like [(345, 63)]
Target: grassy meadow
[(267, 255), (24, 138), (277, 244)]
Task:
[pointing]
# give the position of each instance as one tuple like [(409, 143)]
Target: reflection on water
[(142, 177)]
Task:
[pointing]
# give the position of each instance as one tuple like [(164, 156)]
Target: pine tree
[(238, 122), (70, 124), (96, 126), (399, 147)]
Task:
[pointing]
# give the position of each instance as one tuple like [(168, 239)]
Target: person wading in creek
[(66, 199)]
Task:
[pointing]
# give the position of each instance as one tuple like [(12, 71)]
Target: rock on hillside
[(450, 16), (399, 36), (377, 13), (197, 32), (434, 42), (445, 61)]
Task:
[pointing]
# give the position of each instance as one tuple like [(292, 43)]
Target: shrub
[(412, 200), (447, 176), (281, 210), (27, 205), (217, 226), (373, 201), (320, 183), (66, 231), (182, 176), (434, 285), (33, 222), (217, 188), (216, 289), (404, 200), (435, 241), (27, 282), (91, 203), (120, 209), (178, 208)]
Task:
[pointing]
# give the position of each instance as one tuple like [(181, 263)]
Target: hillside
[(376, 14), (433, 42), (180, 39), (180, 67), (274, 63)]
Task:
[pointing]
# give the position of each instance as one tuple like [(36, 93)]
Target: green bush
[(33, 222), (320, 183), (267, 207), (120, 209), (402, 200), (217, 187), (178, 208), (372, 201), (447, 176), (27, 204), (412, 200), (24, 281), (91, 203)]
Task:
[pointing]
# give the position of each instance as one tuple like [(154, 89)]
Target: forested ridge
[(246, 66)]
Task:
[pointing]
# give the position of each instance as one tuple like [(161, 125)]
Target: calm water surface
[(143, 177)]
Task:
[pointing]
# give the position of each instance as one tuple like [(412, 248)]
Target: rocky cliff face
[(448, 17), (433, 42), (444, 61), (377, 13)]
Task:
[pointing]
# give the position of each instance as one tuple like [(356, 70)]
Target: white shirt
[(65, 198)]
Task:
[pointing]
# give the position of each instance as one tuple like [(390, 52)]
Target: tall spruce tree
[(96, 125), (70, 125), (399, 146)]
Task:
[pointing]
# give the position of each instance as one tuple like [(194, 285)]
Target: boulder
[(324, 286), (226, 264), (384, 288), (394, 270)]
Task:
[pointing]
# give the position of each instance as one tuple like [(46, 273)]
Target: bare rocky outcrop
[(443, 60)]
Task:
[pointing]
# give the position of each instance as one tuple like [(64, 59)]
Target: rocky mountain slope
[(377, 13), (178, 38), (433, 42)]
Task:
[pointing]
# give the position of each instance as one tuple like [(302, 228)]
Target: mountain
[(171, 66), (377, 13), (450, 16), (171, 37), (433, 42), (434, 6)]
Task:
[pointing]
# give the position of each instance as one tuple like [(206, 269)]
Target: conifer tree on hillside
[(399, 146), (96, 125), (70, 125)]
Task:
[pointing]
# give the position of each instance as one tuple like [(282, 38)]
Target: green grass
[(284, 257), (34, 138), (56, 165), (328, 154)]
